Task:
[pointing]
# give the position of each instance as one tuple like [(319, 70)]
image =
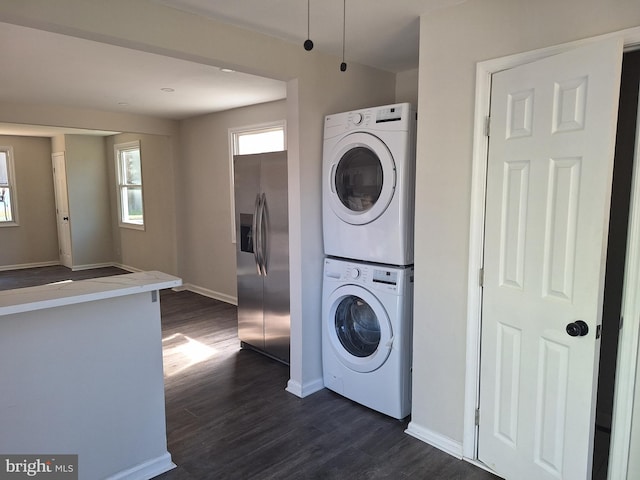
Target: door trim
[(623, 406), (55, 158), (629, 334)]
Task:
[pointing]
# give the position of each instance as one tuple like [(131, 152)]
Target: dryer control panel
[(390, 114), (398, 117)]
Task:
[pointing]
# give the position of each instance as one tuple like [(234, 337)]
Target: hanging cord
[(343, 65), (308, 44)]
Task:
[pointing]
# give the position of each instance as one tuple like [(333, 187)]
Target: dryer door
[(359, 328), (362, 178)]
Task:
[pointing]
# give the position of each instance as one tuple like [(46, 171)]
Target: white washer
[(368, 184), (366, 334)]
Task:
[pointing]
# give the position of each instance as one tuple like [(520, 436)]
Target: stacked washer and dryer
[(367, 294)]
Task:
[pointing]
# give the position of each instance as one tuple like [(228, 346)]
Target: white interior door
[(62, 209), (549, 173)]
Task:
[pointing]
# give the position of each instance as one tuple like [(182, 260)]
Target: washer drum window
[(357, 327)]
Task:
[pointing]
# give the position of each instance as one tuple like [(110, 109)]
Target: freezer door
[(275, 242), (250, 291)]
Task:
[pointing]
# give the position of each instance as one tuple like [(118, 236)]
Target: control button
[(355, 273), (357, 118)]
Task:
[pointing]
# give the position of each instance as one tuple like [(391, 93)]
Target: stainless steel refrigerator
[(262, 248)]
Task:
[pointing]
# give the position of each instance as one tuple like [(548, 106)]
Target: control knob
[(357, 118), (355, 273)]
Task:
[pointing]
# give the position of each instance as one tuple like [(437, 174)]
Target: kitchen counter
[(81, 373), (70, 292)]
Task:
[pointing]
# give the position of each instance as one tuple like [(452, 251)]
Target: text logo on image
[(49, 467)]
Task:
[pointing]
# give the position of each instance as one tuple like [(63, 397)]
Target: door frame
[(625, 378)]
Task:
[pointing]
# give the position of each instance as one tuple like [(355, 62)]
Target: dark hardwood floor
[(229, 416)]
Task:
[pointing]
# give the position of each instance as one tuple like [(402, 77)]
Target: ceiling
[(49, 68), (53, 69), (379, 33)]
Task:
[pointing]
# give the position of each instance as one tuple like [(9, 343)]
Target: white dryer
[(368, 184), (366, 334)]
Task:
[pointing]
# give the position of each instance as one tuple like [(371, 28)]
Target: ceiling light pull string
[(308, 44), (343, 65)]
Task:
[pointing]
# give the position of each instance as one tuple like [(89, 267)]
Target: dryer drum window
[(359, 179), (357, 327)]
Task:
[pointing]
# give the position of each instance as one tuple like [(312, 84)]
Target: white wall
[(35, 239), (407, 87), (153, 248), (208, 257), (96, 237), (452, 41)]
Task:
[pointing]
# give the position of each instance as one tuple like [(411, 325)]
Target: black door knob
[(577, 328)]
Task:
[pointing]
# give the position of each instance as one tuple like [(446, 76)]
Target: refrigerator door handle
[(264, 239), (260, 234), (254, 239)]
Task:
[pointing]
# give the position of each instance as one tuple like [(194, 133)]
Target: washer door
[(362, 178), (359, 328)]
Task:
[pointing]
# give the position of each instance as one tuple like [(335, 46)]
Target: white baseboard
[(435, 439), (89, 266), (305, 390), (74, 268), (126, 267), (145, 471), (223, 297), (22, 266)]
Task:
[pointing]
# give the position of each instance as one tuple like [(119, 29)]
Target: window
[(263, 138), (259, 140), (8, 210), (129, 178)]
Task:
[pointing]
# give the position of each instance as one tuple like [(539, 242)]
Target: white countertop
[(70, 292)]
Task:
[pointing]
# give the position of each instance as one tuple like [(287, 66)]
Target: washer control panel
[(375, 277), (355, 273), (387, 277)]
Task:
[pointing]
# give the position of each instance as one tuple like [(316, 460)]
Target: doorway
[(62, 208), (549, 171), (623, 408), (616, 255)]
